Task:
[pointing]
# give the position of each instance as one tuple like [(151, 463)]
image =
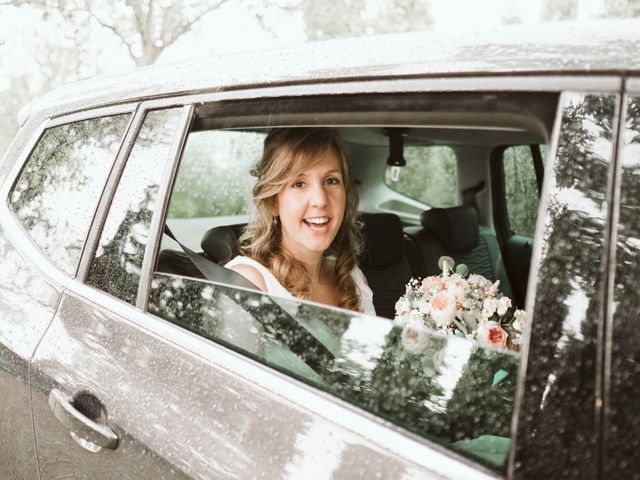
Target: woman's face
[(311, 207)]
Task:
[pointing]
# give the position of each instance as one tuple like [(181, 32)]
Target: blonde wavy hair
[(287, 152)]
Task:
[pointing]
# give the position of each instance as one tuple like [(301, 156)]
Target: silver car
[(128, 352)]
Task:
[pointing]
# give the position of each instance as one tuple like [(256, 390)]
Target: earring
[(276, 220)]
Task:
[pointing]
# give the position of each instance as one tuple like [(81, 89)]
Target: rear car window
[(118, 259), (56, 194), (430, 176)]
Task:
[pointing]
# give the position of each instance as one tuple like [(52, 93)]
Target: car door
[(44, 178), (120, 393)]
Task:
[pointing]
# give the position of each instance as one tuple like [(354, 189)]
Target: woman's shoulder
[(252, 270)]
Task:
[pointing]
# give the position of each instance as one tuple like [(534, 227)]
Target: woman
[(303, 239)]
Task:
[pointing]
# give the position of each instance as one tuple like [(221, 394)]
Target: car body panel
[(191, 418)]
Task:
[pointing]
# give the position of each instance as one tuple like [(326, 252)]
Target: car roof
[(602, 47)]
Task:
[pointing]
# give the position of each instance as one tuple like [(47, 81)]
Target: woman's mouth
[(317, 224)]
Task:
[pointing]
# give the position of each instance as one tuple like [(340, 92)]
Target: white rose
[(518, 323), (402, 307), (415, 336), (475, 279), (458, 287), (400, 320), (503, 305), (443, 309), (489, 307), (424, 306)]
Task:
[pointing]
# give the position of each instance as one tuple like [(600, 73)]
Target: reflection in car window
[(622, 415), (455, 393), (430, 176), (57, 192), (560, 383), (118, 259)]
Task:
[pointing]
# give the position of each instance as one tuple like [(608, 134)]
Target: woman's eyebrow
[(334, 170)]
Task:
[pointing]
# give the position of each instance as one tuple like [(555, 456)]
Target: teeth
[(317, 221)]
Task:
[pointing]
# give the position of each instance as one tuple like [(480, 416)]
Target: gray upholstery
[(455, 232)]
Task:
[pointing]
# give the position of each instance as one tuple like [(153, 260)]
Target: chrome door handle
[(62, 406)]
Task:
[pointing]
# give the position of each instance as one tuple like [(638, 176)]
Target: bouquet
[(454, 304)]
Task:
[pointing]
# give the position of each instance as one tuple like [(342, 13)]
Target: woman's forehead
[(321, 162)]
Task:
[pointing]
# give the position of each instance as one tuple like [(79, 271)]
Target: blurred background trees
[(46, 43)]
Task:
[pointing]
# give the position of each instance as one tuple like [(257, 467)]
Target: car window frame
[(611, 196), (20, 238), (396, 440)]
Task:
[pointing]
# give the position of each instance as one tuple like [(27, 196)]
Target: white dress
[(275, 288)]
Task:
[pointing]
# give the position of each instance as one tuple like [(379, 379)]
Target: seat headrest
[(221, 243), (383, 240), (457, 228)]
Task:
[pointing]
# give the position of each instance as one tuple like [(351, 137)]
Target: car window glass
[(430, 176), (118, 258), (623, 419), (560, 381), (212, 180), (57, 192), (521, 191), (454, 393)]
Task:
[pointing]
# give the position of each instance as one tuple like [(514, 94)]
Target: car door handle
[(62, 406)]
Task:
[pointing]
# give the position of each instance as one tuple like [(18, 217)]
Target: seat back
[(385, 261), (456, 232)]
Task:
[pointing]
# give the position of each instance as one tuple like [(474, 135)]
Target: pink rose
[(443, 309), (492, 334), (433, 285)]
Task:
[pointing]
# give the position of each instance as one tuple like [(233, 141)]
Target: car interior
[(403, 235)]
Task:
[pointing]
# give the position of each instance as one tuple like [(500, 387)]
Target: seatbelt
[(210, 269), (216, 273)]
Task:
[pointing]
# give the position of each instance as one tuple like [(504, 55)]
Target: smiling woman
[(302, 238)]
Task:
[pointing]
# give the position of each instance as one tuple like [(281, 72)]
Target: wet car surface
[(121, 357)]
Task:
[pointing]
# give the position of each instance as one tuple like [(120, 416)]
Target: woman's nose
[(318, 196)]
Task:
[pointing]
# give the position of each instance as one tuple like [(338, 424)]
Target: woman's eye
[(298, 184), (333, 181)]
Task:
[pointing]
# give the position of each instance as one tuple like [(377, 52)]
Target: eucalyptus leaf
[(499, 376), (470, 320), (449, 260), (462, 270)]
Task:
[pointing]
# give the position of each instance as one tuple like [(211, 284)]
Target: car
[(127, 350)]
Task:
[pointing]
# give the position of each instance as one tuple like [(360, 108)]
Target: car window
[(430, 176), (458, 392), (521, 190), (56, 194), (622, 416), (454, 393), (118, 259)]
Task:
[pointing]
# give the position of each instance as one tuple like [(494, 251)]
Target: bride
[(302, 238)]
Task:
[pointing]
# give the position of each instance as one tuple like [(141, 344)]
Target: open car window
[(454, 389)]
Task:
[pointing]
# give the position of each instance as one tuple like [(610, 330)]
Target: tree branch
[(116, 32), (187, 26)]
